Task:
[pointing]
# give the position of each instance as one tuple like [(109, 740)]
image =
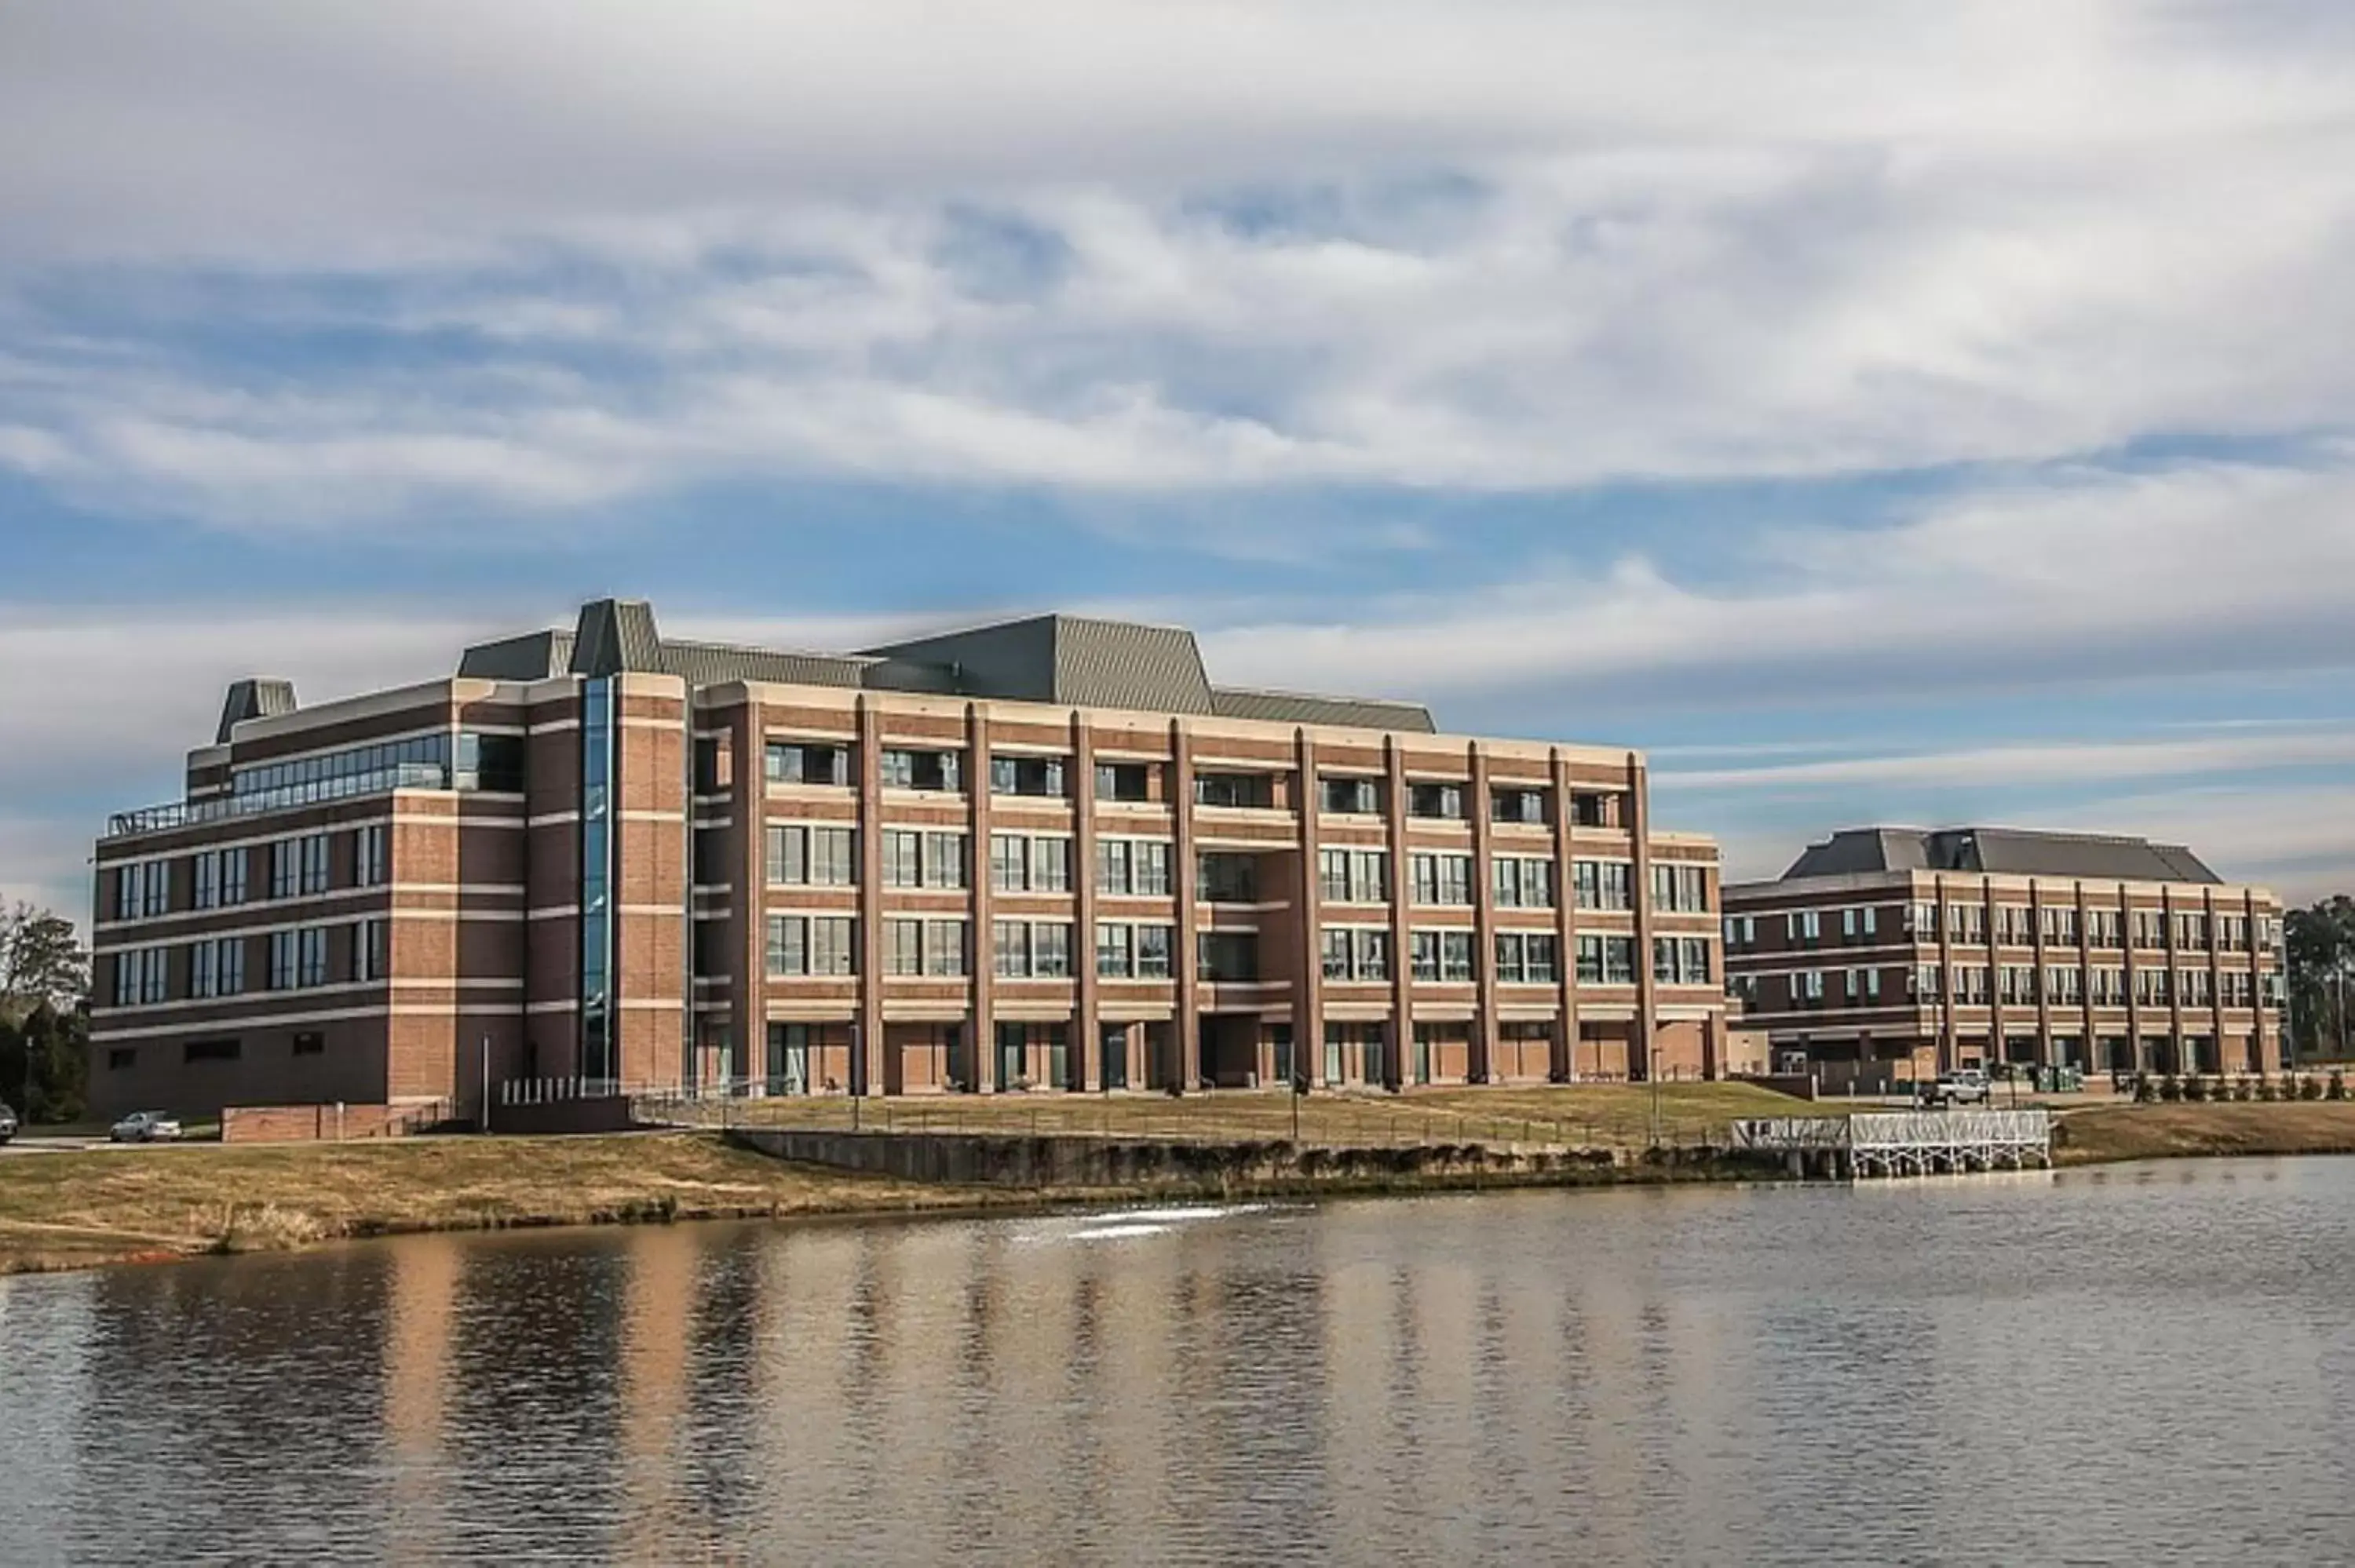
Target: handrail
[(214, 808)]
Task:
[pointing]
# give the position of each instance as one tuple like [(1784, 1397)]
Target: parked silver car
[(145, 1127), (7, 1123)]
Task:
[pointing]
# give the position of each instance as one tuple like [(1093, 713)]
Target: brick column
[(1187, 1070), (1564, 1065), (2044, 1000), (2130, 955), (1308, 899), (1948, 1056), (2174, 980), (2086, 982), (983, 1055), (1394, 1073), (2216, 983), (749, 804), (1481, 1067), (871, 1072), (1087, 1051), (1639, 809)]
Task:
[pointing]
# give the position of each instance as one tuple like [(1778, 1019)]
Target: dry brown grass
[(109, 1204), (2169, 1131), (1579, 1116)]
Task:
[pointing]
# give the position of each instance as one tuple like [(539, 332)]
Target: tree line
[(44, 1015), (2321, 975)]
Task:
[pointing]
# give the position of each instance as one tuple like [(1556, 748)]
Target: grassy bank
[(1583, 1116), (70, 1210), (2176, 1131)]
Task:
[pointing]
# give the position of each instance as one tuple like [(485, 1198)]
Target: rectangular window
[(315, 864), (945, 946), (1692, 962), (788, 946), (1441, 801), (1253, 791), (1112, 865), (1335, 953), (1607, 960), (1803, 925), (813, 857), (211, 1050), (1604, 883), (798, 762), (143, 889), (1518, 806), (1010, 943), (1040, 776), (939, 772), (309, 1044), (1348, 797), (141, 977), (1124, 781), (282, 966), (944, 860), (1590, 809), (1684, 888), (217, 968), (220, 878), (1115, 951), (1357, 953), (1522, 883), (903, 862), (372, 856), (1422, 954), (903, 947), (311, 956), (1354, 876), (371, 950), (1050, 950), (1154, 946), (1150, 863), (1050, 865), (1009, 863), (1442, 879)]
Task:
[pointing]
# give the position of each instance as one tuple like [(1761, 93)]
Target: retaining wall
[(1128, 1165), (313, 1124)]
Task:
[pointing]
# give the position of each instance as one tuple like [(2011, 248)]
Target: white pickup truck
[(1965, 1086)]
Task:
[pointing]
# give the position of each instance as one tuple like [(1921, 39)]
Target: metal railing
[(216, 807)]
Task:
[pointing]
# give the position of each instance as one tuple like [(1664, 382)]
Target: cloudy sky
[(1877, 410)]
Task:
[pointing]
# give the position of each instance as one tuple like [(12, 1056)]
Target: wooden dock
[(1903, 1143)]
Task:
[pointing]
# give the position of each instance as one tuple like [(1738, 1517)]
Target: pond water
[(2140, 1364)]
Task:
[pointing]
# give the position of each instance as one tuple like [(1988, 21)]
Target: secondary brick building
[(1048, 855), (1891, 952)]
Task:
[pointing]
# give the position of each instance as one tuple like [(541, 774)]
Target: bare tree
[(41, 961)]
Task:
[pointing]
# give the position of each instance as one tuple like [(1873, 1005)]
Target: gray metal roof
[(533, 656), (2016, 851), (1072, 660), (717, 665), (616, 635), (253, 699), (1299, 707)]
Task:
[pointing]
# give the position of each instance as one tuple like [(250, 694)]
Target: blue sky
[(1877, 412)]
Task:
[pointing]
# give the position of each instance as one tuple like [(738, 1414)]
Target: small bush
[(2338, 1085), (2146, 1089), (2170, 1088), (2195, 1088), (2244, 1088), (2309, 1088)]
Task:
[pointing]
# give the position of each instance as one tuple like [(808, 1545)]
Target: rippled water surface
[(2139, 1365)]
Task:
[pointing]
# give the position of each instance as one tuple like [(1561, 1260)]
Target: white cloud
[(2205, 568), (1114, 246), (2029, 766)]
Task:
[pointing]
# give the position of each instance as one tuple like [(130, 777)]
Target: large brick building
[(1047, 854), (1892, 953)]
